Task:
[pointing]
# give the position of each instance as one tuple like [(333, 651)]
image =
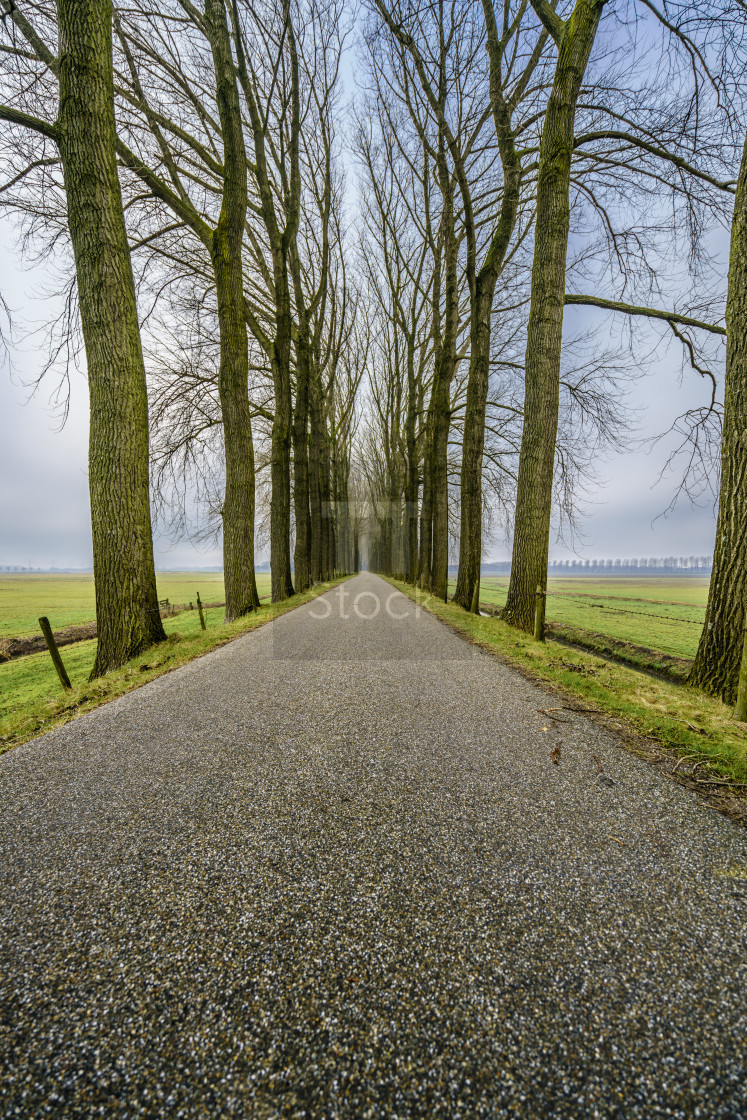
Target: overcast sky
[(44, 519)]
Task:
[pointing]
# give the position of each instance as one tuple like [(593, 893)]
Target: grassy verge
[(32, 701), (685, 733), (639, 657)]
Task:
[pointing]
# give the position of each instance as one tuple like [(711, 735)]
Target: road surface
[(331, 871)]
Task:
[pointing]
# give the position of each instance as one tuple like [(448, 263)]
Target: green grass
[(662, 614), (68, 600), (683, 722), (32, 700)]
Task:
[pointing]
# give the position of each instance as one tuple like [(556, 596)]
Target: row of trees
[(402, 373), (200, 145), (652, 564), (517, 159)]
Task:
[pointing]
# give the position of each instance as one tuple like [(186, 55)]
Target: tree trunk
[(238, 500), (470, 533), (325, 495), (412, 485), (302, 555), (280, 242), (482, 291), (441, 393), (717, 662), (315, 476), (127, 612), (426, 510), (545, 329), (233, 376), (440, 482), (280, 565)]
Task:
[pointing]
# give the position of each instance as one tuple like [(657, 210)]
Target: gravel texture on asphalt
[(331, 870)]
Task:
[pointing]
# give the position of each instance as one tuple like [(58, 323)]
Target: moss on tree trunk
[(233, 375), (717, 662), (302, 554), (470, 536), (545, 329), (127, 612)]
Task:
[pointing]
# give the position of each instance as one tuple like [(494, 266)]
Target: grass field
[(661, 613), (68, 600), (32, 700)]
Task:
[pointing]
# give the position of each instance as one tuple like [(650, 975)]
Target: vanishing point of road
[(331, 871)]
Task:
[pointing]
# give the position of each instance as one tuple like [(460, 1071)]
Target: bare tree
[(127, 611), (637, 145)]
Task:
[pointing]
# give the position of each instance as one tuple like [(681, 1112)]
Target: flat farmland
[(662, 613), (68, 600), (29, 680)]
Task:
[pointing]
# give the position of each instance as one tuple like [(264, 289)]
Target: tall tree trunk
[(413, 488), (302, 554), (411, 468), (325, 494), (233, 376), (470, 535), (280, 503), (440, 485), (482, 291), (426, 507), (531, 545), (127, 612), (238, 500), (315, 475), (281, 242), (717, 662), (441, 393)]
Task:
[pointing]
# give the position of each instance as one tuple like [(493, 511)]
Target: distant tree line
[(652, 565), (649, 565)]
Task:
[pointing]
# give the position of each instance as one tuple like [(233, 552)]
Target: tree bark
[(281, 242), (412, 491), (470, 535), (280, 503), (575, 39), (325, 495), (315, 475), (127, 612), (302, 554), (426, 507), (233, 375), (443, 376), (482, 291), (718, 660)]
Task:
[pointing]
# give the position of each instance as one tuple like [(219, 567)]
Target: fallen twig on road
[(548, 712)]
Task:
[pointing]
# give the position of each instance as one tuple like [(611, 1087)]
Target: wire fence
[(626, 610)]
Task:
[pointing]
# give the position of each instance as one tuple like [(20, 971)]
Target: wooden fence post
[(54, 653), (740, 712), (539, 615), (202, 616)]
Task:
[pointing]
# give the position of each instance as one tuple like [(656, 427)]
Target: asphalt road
[(331, 870)]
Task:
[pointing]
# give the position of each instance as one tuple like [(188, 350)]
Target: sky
[(44, 514), (44, 517)]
